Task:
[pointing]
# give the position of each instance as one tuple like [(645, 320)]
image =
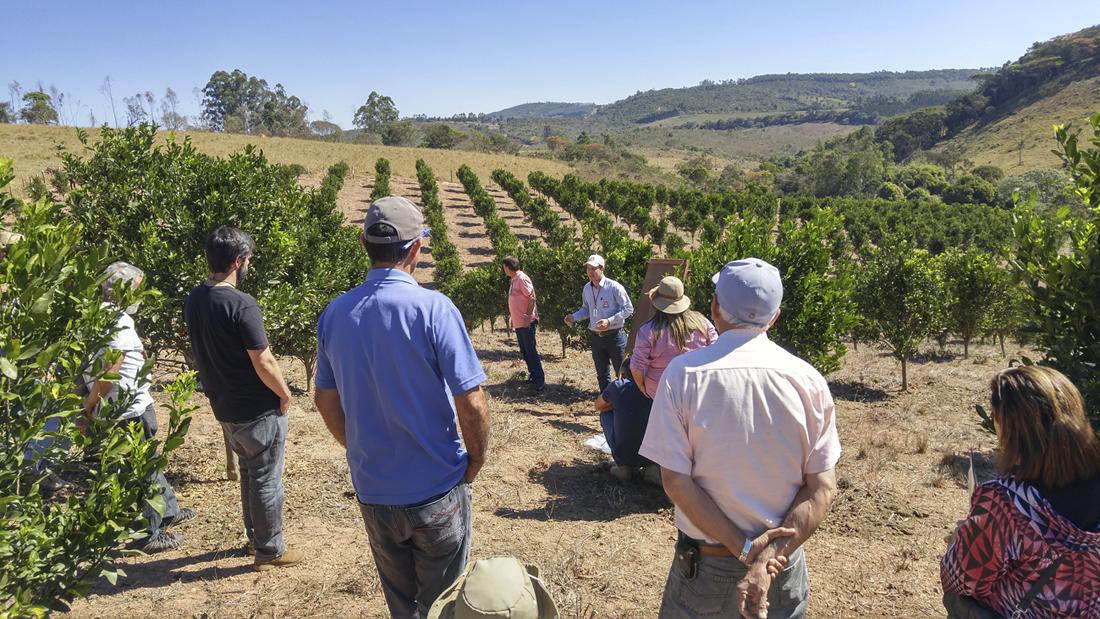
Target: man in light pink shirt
[(524, 315), (745, 434)]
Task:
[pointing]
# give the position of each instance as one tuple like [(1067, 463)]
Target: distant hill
[(774, 94), (1007, 121), (548, 109)]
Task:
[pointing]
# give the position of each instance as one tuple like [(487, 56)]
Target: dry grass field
[(604, 547), (999, 143), (737, 143), (34, 148)]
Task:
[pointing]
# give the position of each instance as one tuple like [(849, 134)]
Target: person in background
[(624, 414), (133, 388), (606, 306), (397, 377), (246, 389), (1030, 545), (745, 434), (524, 314), (674, 329)]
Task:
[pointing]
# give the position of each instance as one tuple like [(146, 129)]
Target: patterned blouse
[(1011, 535)]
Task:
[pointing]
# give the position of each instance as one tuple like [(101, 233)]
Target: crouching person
[(624, 415), (131, 360)]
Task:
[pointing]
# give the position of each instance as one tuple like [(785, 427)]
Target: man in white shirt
[(132, 388), (606, 306), (745, 434)]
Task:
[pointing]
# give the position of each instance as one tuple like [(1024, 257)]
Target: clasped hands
[(752, 591)]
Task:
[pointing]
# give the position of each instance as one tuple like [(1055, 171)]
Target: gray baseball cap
[(403, 215), (749, 290)]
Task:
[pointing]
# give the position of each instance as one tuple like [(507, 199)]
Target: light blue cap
[(749, 290)]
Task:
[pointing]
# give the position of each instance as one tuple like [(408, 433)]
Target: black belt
[(607, 333)]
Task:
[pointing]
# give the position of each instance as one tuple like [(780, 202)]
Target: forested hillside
[(1054, 82)]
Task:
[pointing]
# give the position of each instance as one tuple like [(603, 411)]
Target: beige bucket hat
[(500, 587), (669, 296)]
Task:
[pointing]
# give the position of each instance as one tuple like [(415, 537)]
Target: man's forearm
[(267, 368), (807, 510), (473, 419), (701, 510), (332, 412)]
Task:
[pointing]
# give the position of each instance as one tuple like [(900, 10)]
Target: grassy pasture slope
[(33, 147)]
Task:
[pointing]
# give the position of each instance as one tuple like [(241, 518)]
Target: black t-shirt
[(224, 324), (1079, 502)]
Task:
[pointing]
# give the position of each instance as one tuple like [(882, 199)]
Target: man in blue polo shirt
[(397, 377)]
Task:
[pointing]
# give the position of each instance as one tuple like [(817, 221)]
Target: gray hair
[(727, 317), (120, 272)]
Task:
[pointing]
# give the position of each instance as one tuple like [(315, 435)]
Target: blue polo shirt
[(396, 352)]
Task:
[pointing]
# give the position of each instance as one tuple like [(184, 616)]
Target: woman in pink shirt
[(673, 330)]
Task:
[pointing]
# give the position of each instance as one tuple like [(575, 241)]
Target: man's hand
[(569, 319), (472, 469), (752, 592), (284, 406), (761, 542), (602, 325)]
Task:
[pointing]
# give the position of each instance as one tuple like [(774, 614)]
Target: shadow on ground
[(855, 391), (164, 572), (585, 491), (517, 390), (956, 466)]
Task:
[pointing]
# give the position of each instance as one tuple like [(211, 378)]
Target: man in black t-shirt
[(246, 389)]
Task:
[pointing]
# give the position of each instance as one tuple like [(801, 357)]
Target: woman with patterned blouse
[(1030, 546)]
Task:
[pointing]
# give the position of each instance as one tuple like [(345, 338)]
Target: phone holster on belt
[(687, 556)]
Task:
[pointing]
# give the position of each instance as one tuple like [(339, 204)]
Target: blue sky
[(440, 58)]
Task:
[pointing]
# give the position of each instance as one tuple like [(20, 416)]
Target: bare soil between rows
[(604, 547)]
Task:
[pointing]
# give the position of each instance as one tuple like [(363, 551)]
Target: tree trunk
[(1002, 338), (230, 463), (966, 347), (904, 374), (310, 364)]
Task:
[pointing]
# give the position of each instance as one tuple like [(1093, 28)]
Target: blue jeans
[(527, 348), (260, 446), (713, 591), (618, 426), (419, 550), (607, 349)]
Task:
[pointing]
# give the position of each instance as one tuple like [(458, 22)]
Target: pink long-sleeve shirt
[(650, 357)]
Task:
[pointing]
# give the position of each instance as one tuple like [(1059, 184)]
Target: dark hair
[(386, 253), (511, 262), (1042, 430), (225, 245)]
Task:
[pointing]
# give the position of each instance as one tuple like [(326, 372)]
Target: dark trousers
[(260, 446), (607, 352), (624, 430), (527, 348), (419, 550), (148, 422)]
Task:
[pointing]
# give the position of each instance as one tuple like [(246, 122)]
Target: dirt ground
[(604, 547)]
